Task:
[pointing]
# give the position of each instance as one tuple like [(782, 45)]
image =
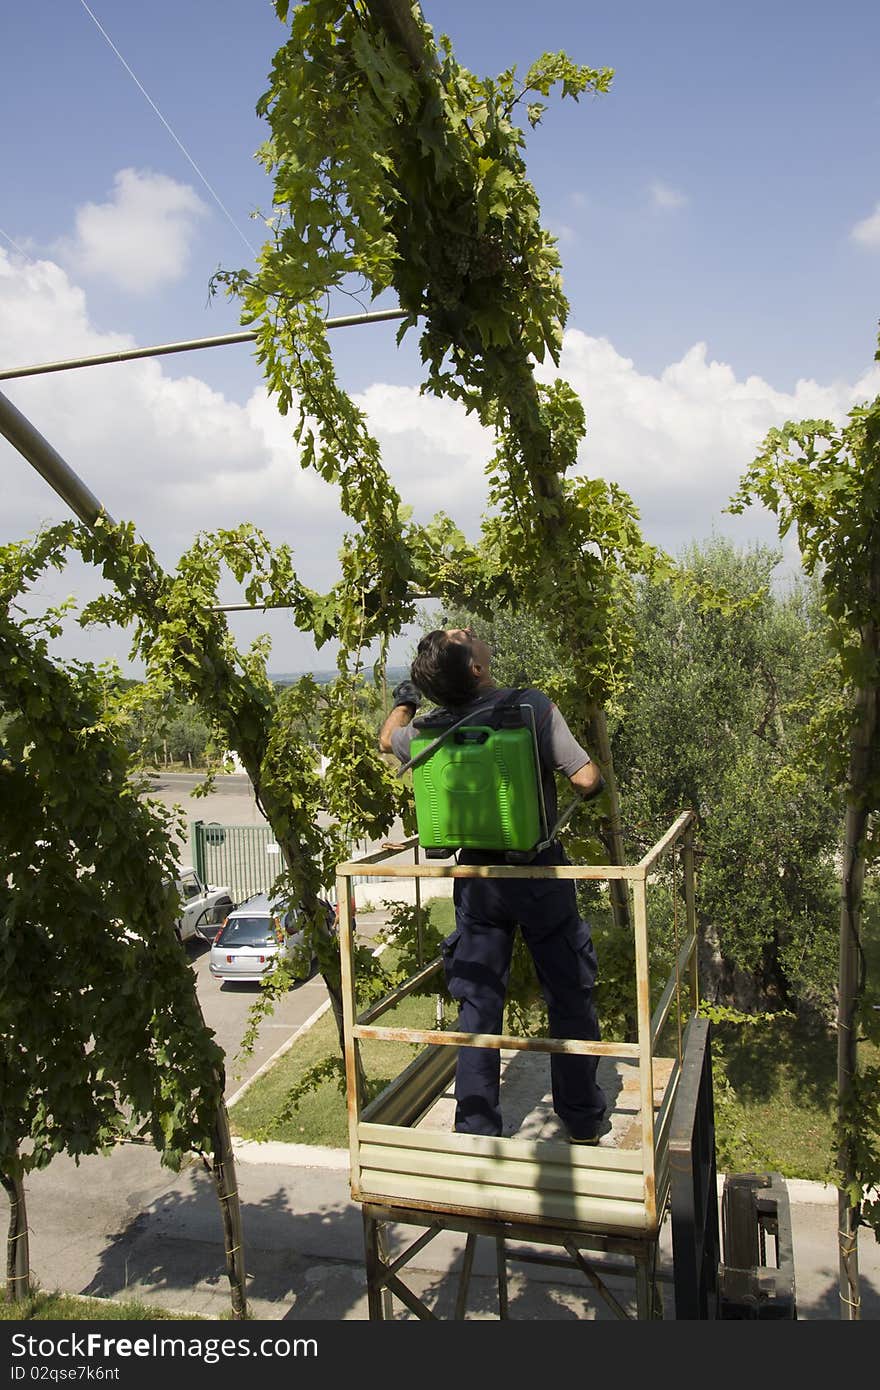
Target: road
[(226, 1008), (231, 802)]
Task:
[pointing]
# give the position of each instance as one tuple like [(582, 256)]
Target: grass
[(264, 1111), (775, 1097), (40, 1306), (775, 1085)]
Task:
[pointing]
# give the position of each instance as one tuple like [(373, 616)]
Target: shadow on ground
[(309, 1264), (304, 1264)]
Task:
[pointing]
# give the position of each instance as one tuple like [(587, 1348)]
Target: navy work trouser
[(477, 962)]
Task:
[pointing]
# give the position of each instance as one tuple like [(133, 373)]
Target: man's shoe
[(591, 1139)]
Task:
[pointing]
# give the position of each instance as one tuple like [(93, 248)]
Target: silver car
[(248, 943)]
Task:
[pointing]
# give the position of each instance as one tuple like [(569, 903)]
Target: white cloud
[(679, 442), (140, 239), (662, 196), (867, 232), (172, 454), (176, 456), (434, 451)]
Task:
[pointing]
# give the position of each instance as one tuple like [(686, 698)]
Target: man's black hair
[(442, 669)]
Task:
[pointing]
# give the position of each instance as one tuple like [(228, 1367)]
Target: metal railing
[(650, 1025)]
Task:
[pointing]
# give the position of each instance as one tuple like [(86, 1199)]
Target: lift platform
[(601, 1207)]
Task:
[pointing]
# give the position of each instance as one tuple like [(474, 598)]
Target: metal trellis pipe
[(191, 345), (26, 438)]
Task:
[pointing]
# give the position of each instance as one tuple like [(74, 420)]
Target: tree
[(103, 1037), (824, 479), (717, 718), (395, 165), (155, 727)]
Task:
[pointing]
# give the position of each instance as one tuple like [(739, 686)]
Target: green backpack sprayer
[(477, 783)]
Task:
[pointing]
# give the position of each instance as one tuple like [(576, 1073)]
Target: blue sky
[(718, 216)]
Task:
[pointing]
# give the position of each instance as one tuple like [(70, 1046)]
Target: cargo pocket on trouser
[(585, 963), (447, 951)]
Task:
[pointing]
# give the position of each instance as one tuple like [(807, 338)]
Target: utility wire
[(20, 249), (227, 214)]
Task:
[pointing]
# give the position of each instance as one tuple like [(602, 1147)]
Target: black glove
[(597, 790), (406, 694)]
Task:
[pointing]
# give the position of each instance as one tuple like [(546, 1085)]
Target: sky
[(717, 213)]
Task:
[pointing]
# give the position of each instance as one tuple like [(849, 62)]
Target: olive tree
[(823, 479), (717, 717)]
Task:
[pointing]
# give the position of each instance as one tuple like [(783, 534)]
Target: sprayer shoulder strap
[(492, 720)]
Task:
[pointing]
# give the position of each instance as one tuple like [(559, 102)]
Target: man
[(453, 668)]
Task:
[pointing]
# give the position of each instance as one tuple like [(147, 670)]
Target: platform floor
[(527, 1108)]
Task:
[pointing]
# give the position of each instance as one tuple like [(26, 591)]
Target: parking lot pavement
[(226, 1010)]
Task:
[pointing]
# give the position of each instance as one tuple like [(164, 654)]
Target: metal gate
[(246, 857)]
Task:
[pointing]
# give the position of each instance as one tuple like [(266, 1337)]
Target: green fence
[(245, 857)]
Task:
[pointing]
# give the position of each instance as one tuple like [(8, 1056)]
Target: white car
[(246, 946), (203, 907)]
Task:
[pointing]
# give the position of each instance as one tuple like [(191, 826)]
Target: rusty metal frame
[(638, 1261)]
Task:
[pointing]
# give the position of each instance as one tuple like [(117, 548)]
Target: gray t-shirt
[(558, 749)]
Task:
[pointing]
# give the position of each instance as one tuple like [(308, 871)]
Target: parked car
[(249, 941), (204, 907)]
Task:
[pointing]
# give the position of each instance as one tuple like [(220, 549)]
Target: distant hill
[(393, 674)]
